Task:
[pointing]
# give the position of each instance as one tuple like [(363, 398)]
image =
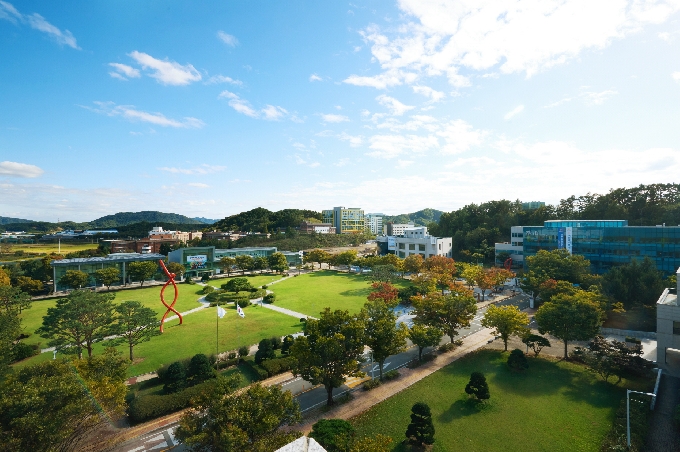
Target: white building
[(515, 248), (416, 240), (396, 229), (668, 329), (374, 222)]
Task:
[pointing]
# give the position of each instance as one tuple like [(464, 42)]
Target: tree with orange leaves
[(442, 270), (385, 292)]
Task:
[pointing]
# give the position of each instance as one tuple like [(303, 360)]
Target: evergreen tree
[(265, 350), (517, 360), (478, 387), (200, 369), (175, 378), (421, 430)]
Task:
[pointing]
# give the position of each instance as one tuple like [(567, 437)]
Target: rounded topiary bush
[(517, 360)]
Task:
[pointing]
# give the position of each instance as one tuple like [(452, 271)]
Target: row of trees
[(136, 271), (276, 262)]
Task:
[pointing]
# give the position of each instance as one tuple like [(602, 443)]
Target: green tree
[(80, 319), (141, 271), (244, 262), (237, 285), (200, 369), (265, 350), (446, 312), (517, 360), (334, 435), (74, 279), (10, 329), (288, 342), (13, 300), (56, 406), (176, 268), (382, 334), (507, 321), (317, 255), (346, 257), (477, 387), (30, 285), (243, 351), (413, 263), (560, 265), (535, 342), (421, 430), (175, 378), (134, 323), (227, 264), (278, 262), (4, 278), (330, 350), (570, 318), (634, 284), (245, 422), (260, 263), (107, 276), (384, 273), (424, 336)]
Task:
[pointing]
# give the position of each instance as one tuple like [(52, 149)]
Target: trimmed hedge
[(371, 384), (147, 407), (270, 367)]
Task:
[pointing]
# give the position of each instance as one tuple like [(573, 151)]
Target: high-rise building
[(345, 219), (374, 222), (531, 205)]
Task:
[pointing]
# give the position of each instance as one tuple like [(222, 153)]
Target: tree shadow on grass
[(463, 407), (355, 292)]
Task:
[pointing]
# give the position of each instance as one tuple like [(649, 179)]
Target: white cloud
[(514, 36), (240, 105), (404, 163), (676, 76), (228, 39), (165, 71), (223, 79), (37, 22), (426, 91), (198, 185), (124, 71), (390, 146), (273, 113), (392, 104), (597, 98), (315, 78), (354, 141), (15, 169), (202, 169), (341, 162), (130, 113), (459, 136), (314, 164), (333, 118), (514, 112), (559, 102)]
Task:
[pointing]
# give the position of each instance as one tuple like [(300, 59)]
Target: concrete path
[(297, 315)]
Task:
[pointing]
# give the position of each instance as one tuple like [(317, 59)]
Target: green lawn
[(53, 247), (554, 406), (198, 335), (148, 296), (312, 292), (255, 281)]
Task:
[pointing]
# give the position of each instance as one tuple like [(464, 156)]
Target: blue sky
[(211, 108)]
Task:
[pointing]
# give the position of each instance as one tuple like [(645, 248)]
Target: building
[(91, 264), (668, 328), (415, 240), (217, 235), (605, 243), (345, 220), (319, 228), (373, 222), (531, 205), (396, 229), (158, 232), (513, 249)]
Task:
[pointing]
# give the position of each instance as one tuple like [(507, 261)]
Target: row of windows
[(412, 246)]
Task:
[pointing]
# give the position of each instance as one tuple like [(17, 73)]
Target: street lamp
[(628, 392)]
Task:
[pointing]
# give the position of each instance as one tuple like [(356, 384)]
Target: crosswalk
[(157, 441)]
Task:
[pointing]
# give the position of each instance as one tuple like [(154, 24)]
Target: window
[(676, 328), (440, 246), (412, 246), (401, 246), (421, 247), (401, 253)]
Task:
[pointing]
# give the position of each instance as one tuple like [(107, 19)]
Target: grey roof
[(119, 257)]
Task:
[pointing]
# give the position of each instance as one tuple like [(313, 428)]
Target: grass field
[(46, 248), (312, 292), (554, 406)]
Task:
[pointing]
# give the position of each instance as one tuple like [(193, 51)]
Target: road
[(309, 396)]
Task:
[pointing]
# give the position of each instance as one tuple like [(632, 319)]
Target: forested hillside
[(8, 220), (263, 220), (421, 218), (125, 218)]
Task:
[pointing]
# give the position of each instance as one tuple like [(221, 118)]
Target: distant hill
[(263, 220), (149, 216), (8, 220), (205, 220), (420, 218)]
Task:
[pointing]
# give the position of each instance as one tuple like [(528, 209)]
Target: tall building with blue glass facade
[(605, 243)]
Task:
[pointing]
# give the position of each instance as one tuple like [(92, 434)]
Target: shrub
[(633, 340), (243, 303), (277, 366), (303, 319), (213, 296), (478, 387), (257, 293), (231, 355), (334, 435), (243, 351), (264, 286), (269, 298), (175, 378), (370, 384), (286, 344), (23, 351), (207, 289), (421, 430), (199, 369), (259, 370), (188, 280), (391, 375), (276, 342), (446, 347), (144, 408), (265, 350), (517, 360)]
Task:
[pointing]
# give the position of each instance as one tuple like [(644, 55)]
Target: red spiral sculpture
[(507, 264), (171, 279)]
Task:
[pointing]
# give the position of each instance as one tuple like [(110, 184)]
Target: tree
[(556, 264), (288, 341), (346, 257), (227, 264), (78, 320), (134, 323), (30, 285), (176, 268), (634, 284), (471, 274), (442, 270), (243, 351), (421, 430), (278, 262), (317, 255), (244, 262), (260, 263), (199, 369), (237, 285), (175, 378), (13, 300), (265, 350), (477, 387), (107, 276), (141, 271), (10, 330), (334, 435), (507, 320), (4, 278), (386, 292), (74, 279), (330, 350), (609, 358), (447, 312), (413, 263), (424, 336), (517, 360), (56, 406), (384, 273), (382, 334), (244, 422), (570, 318), (535, 342)]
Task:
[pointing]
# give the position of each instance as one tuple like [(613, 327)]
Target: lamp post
[(628, 392)]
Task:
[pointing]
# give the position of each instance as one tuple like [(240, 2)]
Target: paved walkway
[(364, 400), (297, 315)]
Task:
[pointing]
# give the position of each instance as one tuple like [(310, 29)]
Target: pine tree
[(478, 386), (421, 430), (517, 360)]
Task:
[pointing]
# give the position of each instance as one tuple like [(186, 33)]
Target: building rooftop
[(668, 297), (116, 257)]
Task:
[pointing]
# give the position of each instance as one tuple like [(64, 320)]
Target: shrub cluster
[(269, 298), (147, 407), (371, 384), (23, 351), (270, 367)]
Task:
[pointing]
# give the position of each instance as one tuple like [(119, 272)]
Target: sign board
[(568, 239), (391, 243), (197, 262), (560, 238)]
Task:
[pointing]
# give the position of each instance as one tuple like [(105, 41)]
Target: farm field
[(47, 248), (312, 292), (554, 405)]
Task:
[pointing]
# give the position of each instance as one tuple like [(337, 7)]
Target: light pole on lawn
[(628, 392)]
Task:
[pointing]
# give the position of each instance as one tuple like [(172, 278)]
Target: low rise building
[(374, 223), (319, 228), (415, 240), (396, 229), (346, 220), (668, 329)]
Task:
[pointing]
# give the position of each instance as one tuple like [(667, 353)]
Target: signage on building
[(197, 262), (560, 238), (568, 239), (391, 243)]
